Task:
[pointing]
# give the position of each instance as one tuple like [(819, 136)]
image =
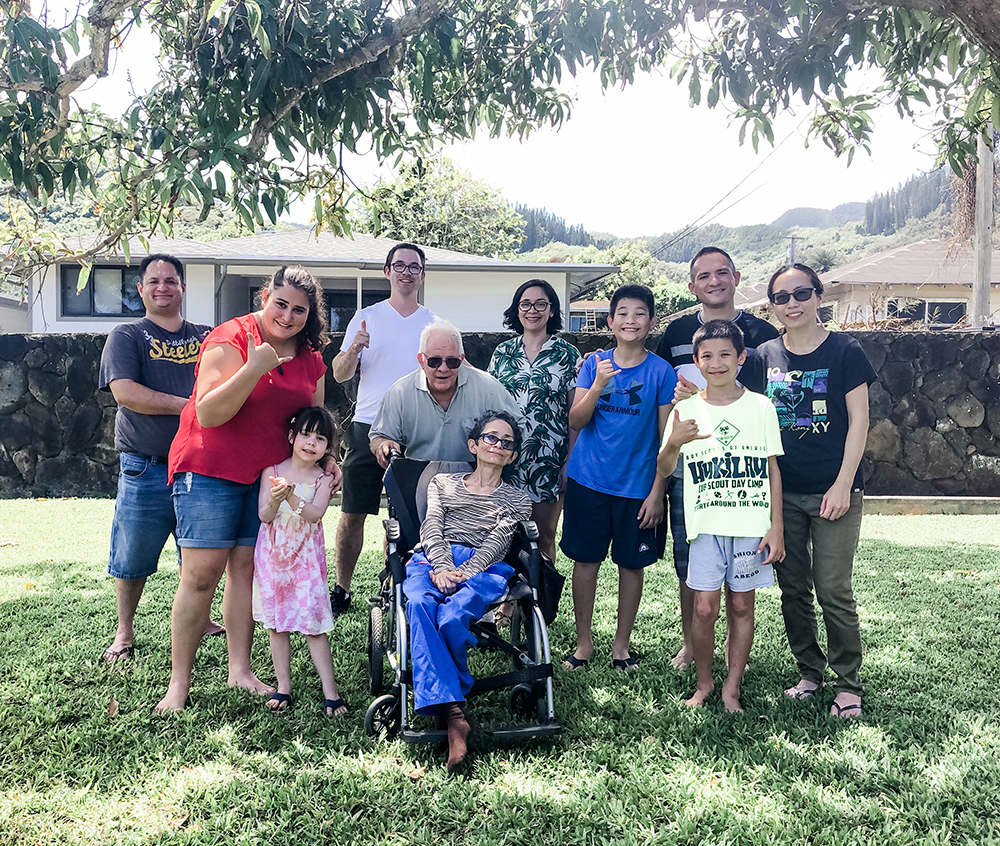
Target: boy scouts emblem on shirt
[(725, 432)]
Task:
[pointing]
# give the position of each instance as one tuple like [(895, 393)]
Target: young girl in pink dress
[(289, 579)]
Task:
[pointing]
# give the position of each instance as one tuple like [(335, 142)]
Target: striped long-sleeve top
[(485, 522)]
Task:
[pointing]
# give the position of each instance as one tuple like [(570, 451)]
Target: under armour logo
[(643, 547)]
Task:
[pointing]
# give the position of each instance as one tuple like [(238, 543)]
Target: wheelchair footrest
[(524, 732), (424, 735), (535, 673)]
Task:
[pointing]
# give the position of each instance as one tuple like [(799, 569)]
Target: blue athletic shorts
[(215, 513), (594, 521), (144, 517)]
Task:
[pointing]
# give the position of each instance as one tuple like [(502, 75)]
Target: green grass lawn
[(632, 766)]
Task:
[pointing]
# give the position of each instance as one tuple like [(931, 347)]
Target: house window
[(928, 312), (941, 313), (109, 292), (906, 308), (576, 322)]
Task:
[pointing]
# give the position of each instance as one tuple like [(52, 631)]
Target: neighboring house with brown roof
[(223, 278), (927, 282)]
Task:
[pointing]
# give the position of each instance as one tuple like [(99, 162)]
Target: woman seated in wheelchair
[(458, 571)]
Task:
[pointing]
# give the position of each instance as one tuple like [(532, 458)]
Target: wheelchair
[(530, 678)]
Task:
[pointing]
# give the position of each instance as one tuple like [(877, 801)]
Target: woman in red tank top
[(253, 373)]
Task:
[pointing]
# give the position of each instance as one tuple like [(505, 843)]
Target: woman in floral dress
[(539, 369)]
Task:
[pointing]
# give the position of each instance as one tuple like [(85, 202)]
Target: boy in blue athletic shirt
[(614, 495)]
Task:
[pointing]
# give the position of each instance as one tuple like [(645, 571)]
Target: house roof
[(935, 262), (364, 252)]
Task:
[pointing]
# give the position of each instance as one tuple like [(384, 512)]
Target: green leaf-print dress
[(541, 389)]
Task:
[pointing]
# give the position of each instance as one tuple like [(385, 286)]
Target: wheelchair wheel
[(524, 701), (376, 650), (383, 718)]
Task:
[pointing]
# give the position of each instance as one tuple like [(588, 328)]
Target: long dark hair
[(512, 320), (315, 334)]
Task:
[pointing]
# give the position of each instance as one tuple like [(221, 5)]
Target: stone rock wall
[(935, 412)]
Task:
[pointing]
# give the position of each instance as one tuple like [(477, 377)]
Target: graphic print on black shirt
[(800, 399)]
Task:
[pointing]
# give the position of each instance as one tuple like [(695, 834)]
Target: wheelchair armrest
[(394, 560), (529, 555), (527, 531)]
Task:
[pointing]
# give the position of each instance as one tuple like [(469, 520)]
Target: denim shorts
[(715, 559), (215, 513), (144, 517)]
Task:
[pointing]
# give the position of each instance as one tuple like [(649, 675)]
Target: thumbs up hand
[(685, 388), (361, 340)]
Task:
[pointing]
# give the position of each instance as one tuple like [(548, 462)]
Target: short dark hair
[(814, 279), (488, 417), (314, 418), (512, 319), (315, 333), (704, 251), (633, 292), (406, 245), (176, 262), (722, 330)]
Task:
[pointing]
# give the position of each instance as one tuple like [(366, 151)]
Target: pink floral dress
[(290, 593)]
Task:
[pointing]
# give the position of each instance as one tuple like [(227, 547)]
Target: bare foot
[(213, 629), (250, 682), (698, 697), (503, 613), (846, 706), (731, 701), (803, 689), (173, 700), (682, 660)]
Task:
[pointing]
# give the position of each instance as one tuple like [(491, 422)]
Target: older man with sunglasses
[(428, 413)]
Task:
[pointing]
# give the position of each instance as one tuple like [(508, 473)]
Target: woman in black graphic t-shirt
[(818, 381)]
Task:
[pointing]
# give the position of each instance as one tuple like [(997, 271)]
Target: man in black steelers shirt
[(714, 278)]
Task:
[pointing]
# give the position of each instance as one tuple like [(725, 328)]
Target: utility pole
[(790, 252), (983, 234)]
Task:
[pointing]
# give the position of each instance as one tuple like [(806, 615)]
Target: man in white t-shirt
[(382, 340)]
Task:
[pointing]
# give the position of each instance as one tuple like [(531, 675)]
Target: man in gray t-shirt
[(149, 367)]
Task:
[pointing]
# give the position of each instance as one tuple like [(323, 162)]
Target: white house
[(224, 276)]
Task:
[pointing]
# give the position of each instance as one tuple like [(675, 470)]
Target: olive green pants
[(819, 555)]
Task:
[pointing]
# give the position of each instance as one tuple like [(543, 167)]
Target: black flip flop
[(841, 710), (333, 705), (625, 664), (284, 701), (575, 663)]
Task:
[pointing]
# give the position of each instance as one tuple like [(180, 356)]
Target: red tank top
[(257, 435)]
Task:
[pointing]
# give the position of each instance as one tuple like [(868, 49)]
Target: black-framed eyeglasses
[(493, 440), (801, 295), (452, 362), (537, 305), (415, 269)]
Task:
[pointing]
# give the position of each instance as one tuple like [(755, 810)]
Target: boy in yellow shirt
[(730, 440)]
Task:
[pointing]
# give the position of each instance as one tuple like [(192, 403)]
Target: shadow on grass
[(633, 764)]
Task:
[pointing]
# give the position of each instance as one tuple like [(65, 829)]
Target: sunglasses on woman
[(451, 362), (493, 440), (801, 295)]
